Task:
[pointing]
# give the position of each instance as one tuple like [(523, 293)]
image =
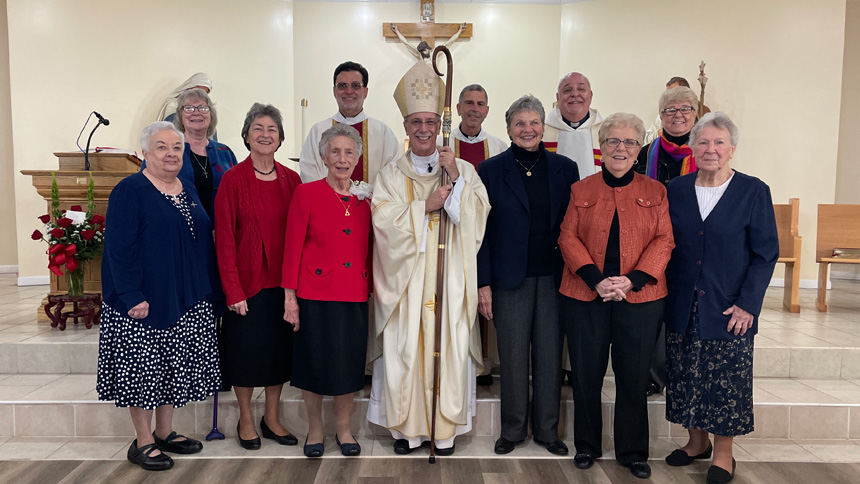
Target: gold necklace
[(339, 199), (528, 170), (201, 164)]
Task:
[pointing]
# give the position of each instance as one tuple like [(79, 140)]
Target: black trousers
[(527, 327), (631, 330)]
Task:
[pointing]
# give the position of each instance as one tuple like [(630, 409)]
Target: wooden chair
[(838, 227), (789, 251)]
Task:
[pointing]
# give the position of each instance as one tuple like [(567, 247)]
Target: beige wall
[(8, 244), (121, 59), (763, 67), (768, 63), (494, 57)]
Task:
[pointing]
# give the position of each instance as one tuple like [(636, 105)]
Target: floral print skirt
[(709, 382)]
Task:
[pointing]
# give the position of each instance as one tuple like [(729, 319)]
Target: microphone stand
[(87, 152)]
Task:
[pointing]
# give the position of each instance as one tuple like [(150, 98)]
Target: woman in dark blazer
[(519, 269), (616, 239), (250, 221), (325, 280), (726, 250)]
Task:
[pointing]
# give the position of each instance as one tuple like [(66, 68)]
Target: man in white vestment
[(474, 144), (407, 199), (469, 140), (571, 127), (379, 145)]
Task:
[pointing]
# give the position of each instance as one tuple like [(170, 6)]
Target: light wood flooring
[(407, 471)]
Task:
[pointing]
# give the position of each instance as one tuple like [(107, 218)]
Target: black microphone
[(103, 119)]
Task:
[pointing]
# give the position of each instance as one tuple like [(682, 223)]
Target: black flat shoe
[(348, 450), (142, 457), (558, 447), (401, 447), (583, 460), (444, 452), (718, 475), (680, 458), (504, 446), (484, 380), (250, 444), (288, 439), (170, 444), (640, 469), (314, 450)]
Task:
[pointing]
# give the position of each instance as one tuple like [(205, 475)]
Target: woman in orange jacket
[(616, 240)]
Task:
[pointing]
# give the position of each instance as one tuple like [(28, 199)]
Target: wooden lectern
[(107, 170)]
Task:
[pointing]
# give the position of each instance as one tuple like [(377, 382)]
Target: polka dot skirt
[(145, 367)]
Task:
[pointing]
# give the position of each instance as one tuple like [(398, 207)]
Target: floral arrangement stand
[(87, 306)]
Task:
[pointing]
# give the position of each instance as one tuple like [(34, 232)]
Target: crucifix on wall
[(427, 30)]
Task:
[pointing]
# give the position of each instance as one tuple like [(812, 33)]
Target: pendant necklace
[(528, 170), (341, 200), (201, 165)]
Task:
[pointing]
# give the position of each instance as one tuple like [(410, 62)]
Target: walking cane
[(440, 262), (215, 433)]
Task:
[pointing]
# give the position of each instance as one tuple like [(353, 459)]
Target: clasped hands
[(447, 162), (614, 288)]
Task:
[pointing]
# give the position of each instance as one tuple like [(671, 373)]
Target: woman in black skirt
[(726, 248), (325, 279), (250, 218), (157, 347)]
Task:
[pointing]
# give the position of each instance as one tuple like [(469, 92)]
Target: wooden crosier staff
[(440, 260)]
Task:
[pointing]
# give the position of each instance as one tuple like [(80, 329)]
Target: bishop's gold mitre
[(420, 91)]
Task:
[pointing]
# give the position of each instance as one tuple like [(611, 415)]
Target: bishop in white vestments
[(407, 197)]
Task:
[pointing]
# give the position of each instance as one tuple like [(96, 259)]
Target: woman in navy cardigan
[(519, 271), (157, 348), (725, 252)]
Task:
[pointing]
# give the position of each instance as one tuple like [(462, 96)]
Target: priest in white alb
[(407, 198), (571, 127), (379, 145)]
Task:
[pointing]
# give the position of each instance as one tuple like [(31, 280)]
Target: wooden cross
[(427, 29)]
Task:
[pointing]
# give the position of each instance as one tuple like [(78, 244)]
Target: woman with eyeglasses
[(667, 157), (519, 270), (616, 240), (204, 160)]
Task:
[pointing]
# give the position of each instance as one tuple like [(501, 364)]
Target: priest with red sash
[(469, 140), (571, 127), (473, 144), (379, 144)]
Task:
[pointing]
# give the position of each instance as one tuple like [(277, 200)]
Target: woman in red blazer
[(250, 219), (325, 280), (616, 240)]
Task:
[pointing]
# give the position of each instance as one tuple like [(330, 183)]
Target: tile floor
[(819, 351)]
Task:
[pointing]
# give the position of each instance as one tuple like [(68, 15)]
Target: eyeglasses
[(202, 109), (341, 86), (672, 111), (430, 123), (614, 142)]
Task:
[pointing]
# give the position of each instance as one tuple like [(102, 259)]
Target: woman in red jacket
[(325, 281), (616, 240), (250, 219)]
